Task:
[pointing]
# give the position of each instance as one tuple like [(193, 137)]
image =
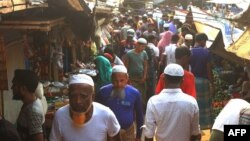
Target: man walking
[(31, 116), (125, 101), (136, 63), (173, 113), (84, 119)]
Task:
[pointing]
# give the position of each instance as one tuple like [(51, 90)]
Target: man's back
[(174, 114), (170, 53)]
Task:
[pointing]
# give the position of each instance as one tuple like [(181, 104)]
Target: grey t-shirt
[(30, 120)]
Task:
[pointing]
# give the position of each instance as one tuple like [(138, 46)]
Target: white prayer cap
[(142, 41), (150, 13), (166, 25), (174, 70), (189, 37), (119, 68), (81, 79), (131, 32)]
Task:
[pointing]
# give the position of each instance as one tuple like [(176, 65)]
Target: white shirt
[(170, 53), (174, 114), (102, 123), (155, 49), (230, 114)]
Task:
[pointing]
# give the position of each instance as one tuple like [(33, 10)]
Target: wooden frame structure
[(8, 6), (32, 24)]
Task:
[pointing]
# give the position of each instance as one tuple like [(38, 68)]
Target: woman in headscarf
[(104, 69)]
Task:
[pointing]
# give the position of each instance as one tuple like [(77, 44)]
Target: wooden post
[(2, 103)]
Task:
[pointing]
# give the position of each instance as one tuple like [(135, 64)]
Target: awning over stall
[(242, 46)]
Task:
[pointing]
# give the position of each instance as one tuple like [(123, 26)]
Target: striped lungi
[(204, 100)]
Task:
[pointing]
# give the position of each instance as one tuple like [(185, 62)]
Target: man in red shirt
[(182, 56)]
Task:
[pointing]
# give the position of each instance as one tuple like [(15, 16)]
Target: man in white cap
[(188, 41), (166, 31), (84, 119), (136, 63), (125, 101), (173, 113), (163, 20), (128, 43)]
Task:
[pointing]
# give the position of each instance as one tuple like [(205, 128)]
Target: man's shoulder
[(131, 52), (101, 109), (132, 89), (36, 107), (245, 116), (106, 87), (63, 110), (188, 98), (188, 74)]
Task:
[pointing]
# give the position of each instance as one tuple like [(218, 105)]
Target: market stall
[(41, 39)]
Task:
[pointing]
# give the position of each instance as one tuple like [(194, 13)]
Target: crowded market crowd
[(154, 82)]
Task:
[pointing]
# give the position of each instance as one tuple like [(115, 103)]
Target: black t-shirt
[(8, 132)]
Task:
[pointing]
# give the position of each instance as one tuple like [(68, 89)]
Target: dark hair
[(166, 28), (8, 132), (109, 50), (175, 38), (182, 51), (201, 37), (173, 79), (26, 78), (150, 38), (130, 21), (164, 15)]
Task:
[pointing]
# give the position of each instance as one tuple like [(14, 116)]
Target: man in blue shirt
[(200, 63), (125, 101)]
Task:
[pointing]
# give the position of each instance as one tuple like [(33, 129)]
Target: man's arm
[(145, 70), (150, 122), (149, 139), (209, 71), (37, 137), (195, 137), (125, 60), (163, 61), (35, 126), (117, 137), (139, 116)]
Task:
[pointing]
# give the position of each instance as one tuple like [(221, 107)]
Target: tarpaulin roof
[(223, 1), (240, 3), (218, 49), (243, 17), (229, 32), (218, 34), (242, 46)]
